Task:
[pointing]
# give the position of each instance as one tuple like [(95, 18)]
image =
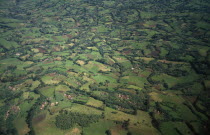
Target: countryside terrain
[(104, 67)]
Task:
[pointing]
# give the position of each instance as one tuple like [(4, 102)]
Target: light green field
[(85, 87), (49, 80), (102, 78), (55, 79), (84, 109), (134, 87), (135, 80), (98, 128), (95, 103), (48, 91), (63, 88)]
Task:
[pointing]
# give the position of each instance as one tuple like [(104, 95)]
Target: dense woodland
[(90, 67)]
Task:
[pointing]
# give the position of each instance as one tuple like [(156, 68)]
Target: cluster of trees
[(6, 125), (201, 67), (168, 109), (5, 93), (33, 110), (66, 120), (6, 115), (134, 102), (55, 71)]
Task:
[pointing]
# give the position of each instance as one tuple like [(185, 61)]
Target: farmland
[(104, 67)]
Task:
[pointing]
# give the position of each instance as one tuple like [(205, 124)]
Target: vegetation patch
[(95, 103), (84, 109), (68, 120), (123, 67)]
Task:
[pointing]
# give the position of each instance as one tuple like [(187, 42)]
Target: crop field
[(95, 103), (84, 109)]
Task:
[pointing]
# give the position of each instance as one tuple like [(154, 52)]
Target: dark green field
[(104, 67)]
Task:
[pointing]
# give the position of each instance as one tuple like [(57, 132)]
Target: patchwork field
[(104, 67)]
